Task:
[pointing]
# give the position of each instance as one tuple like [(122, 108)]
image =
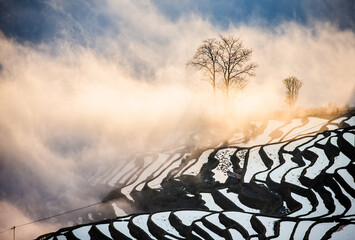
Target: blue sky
[(38, 20), (266, 12)]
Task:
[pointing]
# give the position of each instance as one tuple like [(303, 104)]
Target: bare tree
[(205, 59), (293, 86), (233, 63)]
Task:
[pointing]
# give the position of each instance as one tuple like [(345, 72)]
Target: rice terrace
[(299, 188)]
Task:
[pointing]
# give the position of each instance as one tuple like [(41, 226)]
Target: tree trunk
[(227, 104), (214, 94)]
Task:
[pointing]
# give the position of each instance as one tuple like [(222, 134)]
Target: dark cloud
[(267, 13), (340, 13), (39, 20), (27, 20)]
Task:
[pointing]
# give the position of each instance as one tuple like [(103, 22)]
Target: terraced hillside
[(280, 180)]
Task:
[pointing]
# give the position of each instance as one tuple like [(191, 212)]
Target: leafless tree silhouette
[(233, 63), (293, 86), (205, 59)]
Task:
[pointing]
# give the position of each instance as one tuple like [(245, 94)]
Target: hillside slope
[(280, 180)]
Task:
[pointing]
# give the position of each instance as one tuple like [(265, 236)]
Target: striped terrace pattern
[(299, 185), (204, 224)]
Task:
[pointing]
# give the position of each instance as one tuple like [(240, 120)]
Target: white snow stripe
[(301, 229), (243, 219), (286, 228), (122, 227), (278, 173), (306, 207), (319, 165), (196, 167), (254, 164), (321, 209), (141, 221), (339, 161), (104, 229), (209, 202), (189, 216), (339, 209), (235, 199), (161, 219), (319, 230)]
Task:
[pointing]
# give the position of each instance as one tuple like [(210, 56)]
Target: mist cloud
[(68, 106)]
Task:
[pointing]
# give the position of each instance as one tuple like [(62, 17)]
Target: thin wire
[(59, 214), (6, 230)]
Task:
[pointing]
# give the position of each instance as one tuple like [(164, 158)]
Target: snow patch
[(122, 227), (339, 209), (255, 164), (141, 222), (319, 164), (214, 218), (209, 202), (319, 230), (195, 168), (243, 219), (351, 121), (225, 164), (306, 205), (161, 219), (349, 137), (104, 229), (277, 174), (82, 232), (346, 233), (339, 161), (294, 175), (118, 211), (241, 155), (188, 216), (235, 199), (209, 232), (286, 228), (301, 229)]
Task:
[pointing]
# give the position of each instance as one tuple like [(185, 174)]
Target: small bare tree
[(205, 59), (233, 62), (293, 86)]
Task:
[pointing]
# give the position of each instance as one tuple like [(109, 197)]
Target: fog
[(67, 107)]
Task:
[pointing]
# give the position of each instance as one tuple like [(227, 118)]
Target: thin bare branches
[(233, 61), (228, 57), (205, 59), (293, 86)]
